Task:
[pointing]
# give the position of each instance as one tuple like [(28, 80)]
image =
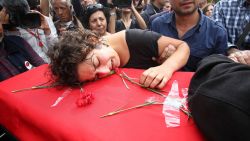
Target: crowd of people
[(84, 40)]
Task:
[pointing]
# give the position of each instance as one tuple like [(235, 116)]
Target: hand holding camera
[(43, 22), (3, 16), (13, 16)]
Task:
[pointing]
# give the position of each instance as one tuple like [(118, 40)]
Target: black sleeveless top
[(142, 45)]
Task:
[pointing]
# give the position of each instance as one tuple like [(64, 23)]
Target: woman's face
[(209, 11), (167, 6), (99, 63), (98, 23)]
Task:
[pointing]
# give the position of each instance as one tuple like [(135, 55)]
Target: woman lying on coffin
[(81, 56)]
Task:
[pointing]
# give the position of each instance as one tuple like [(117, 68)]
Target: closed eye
[(95, 62)]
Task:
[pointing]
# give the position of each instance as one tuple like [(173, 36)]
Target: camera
[(122, 3), (19, 15), (117, 3), (29, 20)]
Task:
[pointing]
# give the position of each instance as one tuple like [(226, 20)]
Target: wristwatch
[(112, 14)]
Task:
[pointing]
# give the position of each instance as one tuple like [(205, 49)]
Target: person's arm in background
[(1, 27), (138, 17), (3, 19), (44, 7), (79, 11), (218, 16), (159, 76), (112, 21), (49, 29), (169, 50), (146, 2)]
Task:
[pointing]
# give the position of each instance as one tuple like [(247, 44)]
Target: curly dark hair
[(71, 49)]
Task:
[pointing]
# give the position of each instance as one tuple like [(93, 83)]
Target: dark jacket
[(16, 56), (148, 12), (219, 99)]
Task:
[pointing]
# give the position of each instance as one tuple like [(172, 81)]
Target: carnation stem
[(33, 88), (134, 82), (131, 108)]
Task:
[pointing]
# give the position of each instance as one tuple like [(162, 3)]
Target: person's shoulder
[(16, 42), (214, 25), (149, 10), (228, 3), (164, 17), (13, 38), (139, 32)]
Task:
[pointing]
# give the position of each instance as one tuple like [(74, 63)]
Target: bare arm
[(4, 18), (44, 6), (112, 20), (159, 76), (155, 76), (138, 17)]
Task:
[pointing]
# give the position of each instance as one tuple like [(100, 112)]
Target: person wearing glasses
[(81, 56), (97, 19), (65, 13)]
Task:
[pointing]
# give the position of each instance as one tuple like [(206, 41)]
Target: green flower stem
[(131, 108), (143, 105), (134, 82), (32, 88)]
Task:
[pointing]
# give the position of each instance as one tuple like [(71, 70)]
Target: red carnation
[(84, 99)]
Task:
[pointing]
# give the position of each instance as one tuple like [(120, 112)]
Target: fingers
[(155, 78), (151, 79), (172, 49), (4, 17), (241, 57), (167, 52), (164, 53), (246, 56), (163, 82), (163, 56), (144, 76), (233, 58)]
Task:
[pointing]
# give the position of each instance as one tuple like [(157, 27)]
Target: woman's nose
[(102, 71), (99, 22)]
